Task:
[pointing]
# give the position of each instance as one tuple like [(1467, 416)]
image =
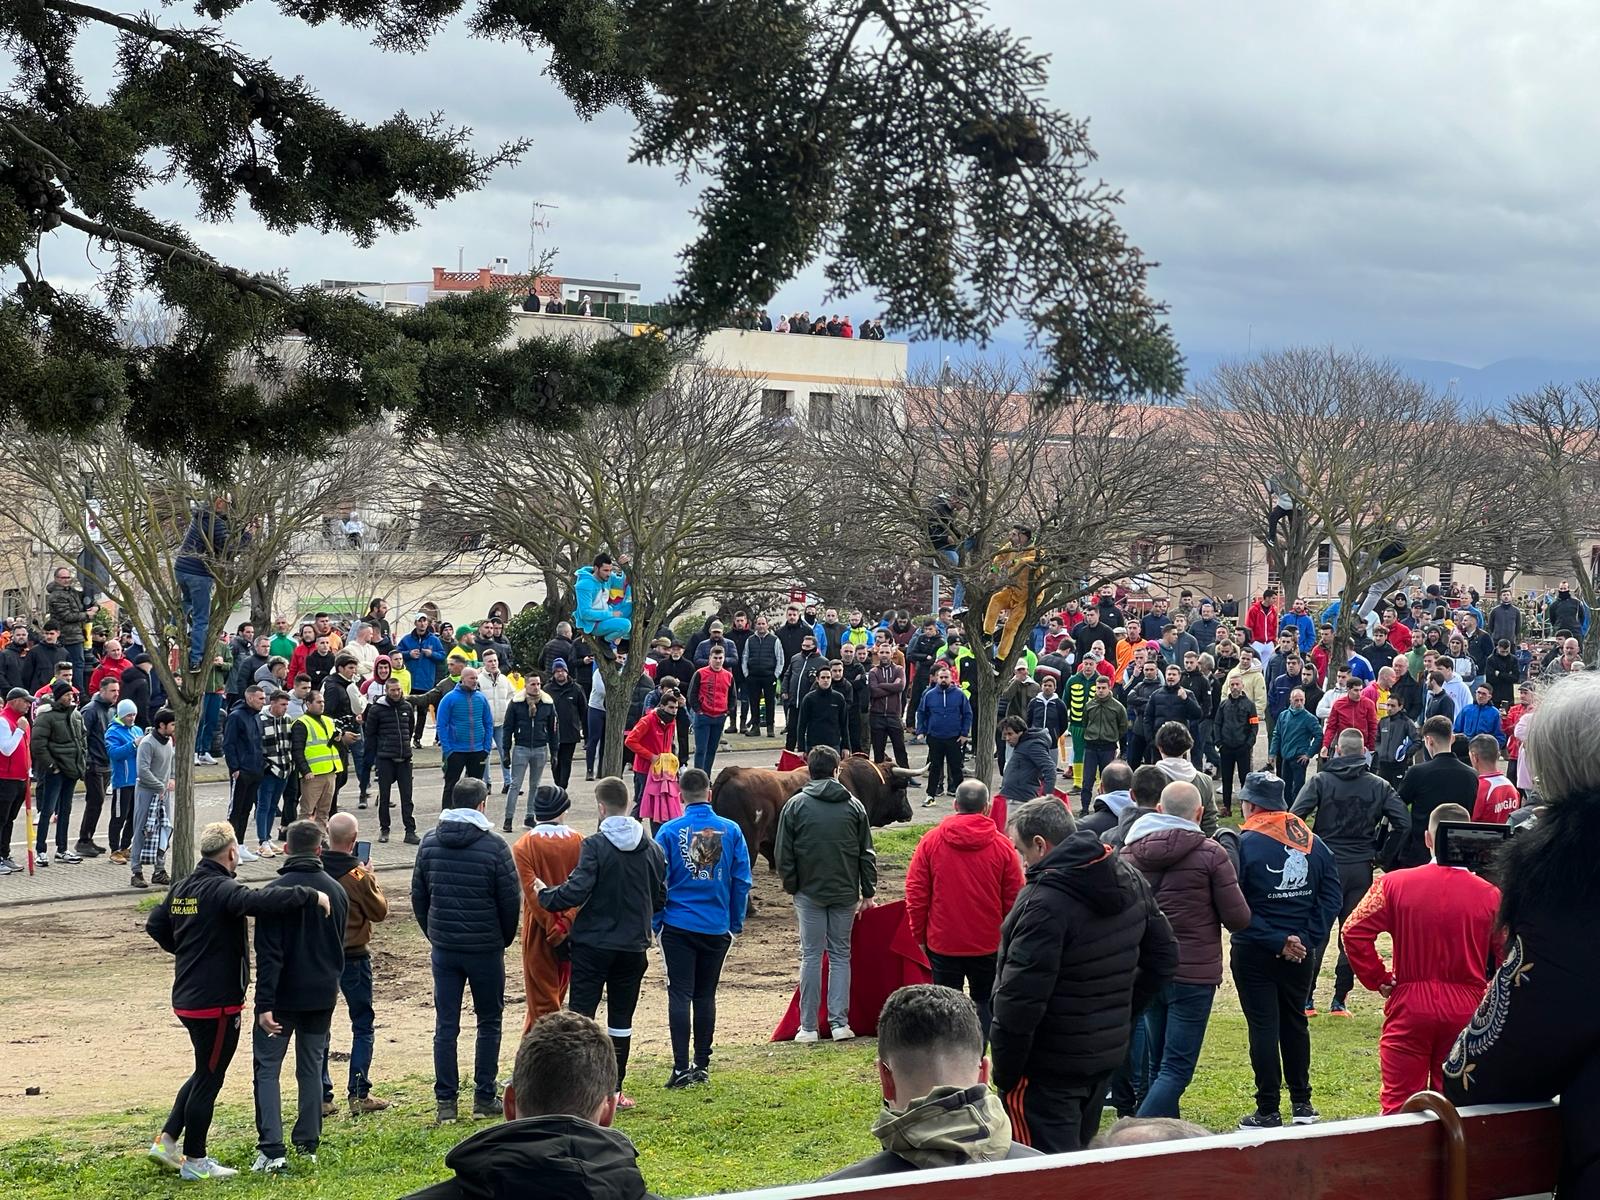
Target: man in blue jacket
[(593, 611), (1292, 884), (423, 652), (708, 888), (242, 751), (466, 897), (1481, 717), (466, 731), (944, 717)]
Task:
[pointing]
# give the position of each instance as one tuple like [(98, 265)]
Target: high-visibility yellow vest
[(322, 756)]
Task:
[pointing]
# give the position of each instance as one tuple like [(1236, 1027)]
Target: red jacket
[(1362, 715), (979, 876), (648, 738), (1442, 920), (297, 661), (17, 764), (109, 668), (1262, 622), (709, 690), (1400, 638)]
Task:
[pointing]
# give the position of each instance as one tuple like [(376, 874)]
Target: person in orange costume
[(1018, 559), (546, 852), (1442, 922)]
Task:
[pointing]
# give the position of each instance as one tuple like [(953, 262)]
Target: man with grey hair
[(939, 1108), (1084, 947), (963, 879), (1356, 813), (1147, 1131)]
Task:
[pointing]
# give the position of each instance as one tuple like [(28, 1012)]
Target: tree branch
[(258, 284)]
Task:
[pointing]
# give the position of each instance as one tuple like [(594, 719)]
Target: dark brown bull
[(752, 797)]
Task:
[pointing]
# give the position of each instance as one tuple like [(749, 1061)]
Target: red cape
[(883, 957)]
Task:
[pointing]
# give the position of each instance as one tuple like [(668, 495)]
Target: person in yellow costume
[(1019, 559)]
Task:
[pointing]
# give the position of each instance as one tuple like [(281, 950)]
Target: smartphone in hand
[(364, 853)]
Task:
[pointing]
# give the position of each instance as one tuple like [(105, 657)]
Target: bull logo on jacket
[(701, 850), (1296, 872)]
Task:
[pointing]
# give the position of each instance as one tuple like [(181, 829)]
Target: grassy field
[(773, 1115)]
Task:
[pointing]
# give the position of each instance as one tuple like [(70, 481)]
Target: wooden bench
[(1493, 1152)]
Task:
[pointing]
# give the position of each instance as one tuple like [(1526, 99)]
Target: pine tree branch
[(128, 237), (138, 26)]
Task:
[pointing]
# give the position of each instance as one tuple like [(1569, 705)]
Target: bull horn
[(905, 772)]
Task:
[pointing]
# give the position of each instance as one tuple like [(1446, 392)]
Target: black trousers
[(888, 728), (462, 762), (975, 971), (214, 1040), (1355, 879), (763, 703), (1138, 747), (119, 826), (944, 755), (1096, 757), (243, 803), (1056, 1116), (919, 684), (1232, 760), (694, 968), (561, 768), (791, 715), (619, 972), (1272, 995), (94, 799), (395, 772)]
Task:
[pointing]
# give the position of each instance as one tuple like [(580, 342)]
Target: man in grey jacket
[(825, 858)]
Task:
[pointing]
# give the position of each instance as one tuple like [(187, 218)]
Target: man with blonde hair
[(201, 922)]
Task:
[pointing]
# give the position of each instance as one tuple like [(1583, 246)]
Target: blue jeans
[(210, 718), (453, 972), (269, 795), (55, 798), (499, 747), (355, 982), (1175, 1024), (75, 657), (707, 737), (195, 591)]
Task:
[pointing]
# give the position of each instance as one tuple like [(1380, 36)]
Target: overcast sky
[(1419, 180)]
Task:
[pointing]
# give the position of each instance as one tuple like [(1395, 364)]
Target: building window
[(1325, 557), (774, 404), (867, 406), (1199, 555), (821, 409), (1447, 576), (13, 603)]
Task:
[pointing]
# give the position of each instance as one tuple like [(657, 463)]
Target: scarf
[(948, 1127), (1280, 827)]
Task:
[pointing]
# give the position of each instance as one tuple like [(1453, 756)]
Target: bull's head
[(900, 779)]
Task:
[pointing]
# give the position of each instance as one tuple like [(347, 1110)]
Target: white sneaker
[(205, 1168), (269, 1166), (164, 1150), (42, 860), (207, 760), (69, 856), (265, 850), (246, 856), (843, 1034), (806, 1035)]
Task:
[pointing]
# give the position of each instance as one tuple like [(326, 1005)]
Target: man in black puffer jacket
[(1171, 702), (1350, 807), (466, 897), (1083, 951)]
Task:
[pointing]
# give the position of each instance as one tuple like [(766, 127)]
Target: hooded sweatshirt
[(1085, 947), (949, 1127), (1196, 886), (1181, 770), (823, 845), (619, 884), (570, 1158), (978, 876)]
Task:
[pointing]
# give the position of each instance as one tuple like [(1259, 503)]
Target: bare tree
[(1551, 439), (130, 511), (1097, 484), (681, 483), (1391, 474)]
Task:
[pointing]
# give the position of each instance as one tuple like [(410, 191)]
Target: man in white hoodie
[(618, 886), (1173, 743), (496, 689)]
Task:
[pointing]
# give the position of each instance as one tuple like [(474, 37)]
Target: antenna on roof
[(536, 226)]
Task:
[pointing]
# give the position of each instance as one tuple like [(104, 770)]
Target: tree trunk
[(1291, 557), (984, 694), (1586, 593), (183, 852), (263, 598), (619, 698)]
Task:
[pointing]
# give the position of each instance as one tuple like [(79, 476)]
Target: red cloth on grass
[(883, 957)]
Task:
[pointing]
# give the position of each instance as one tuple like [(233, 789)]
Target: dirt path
[(85, 1016)]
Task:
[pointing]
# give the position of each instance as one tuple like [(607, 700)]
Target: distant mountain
[(1490, 386)]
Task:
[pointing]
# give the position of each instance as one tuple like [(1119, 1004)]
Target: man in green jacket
[(1294, 740), (60, 757), (826, 861), (1105, 724)]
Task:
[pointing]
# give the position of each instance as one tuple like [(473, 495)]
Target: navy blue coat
[(241, 741), (464, 889)]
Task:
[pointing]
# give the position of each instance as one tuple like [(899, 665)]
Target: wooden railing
[(1487, 1153)]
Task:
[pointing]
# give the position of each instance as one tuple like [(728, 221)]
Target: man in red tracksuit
[(963, 879), (1442, 922)]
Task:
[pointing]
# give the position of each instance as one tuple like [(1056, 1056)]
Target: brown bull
[(752, 797)]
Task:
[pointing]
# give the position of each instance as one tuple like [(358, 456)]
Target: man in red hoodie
[(979, 876), (1352, 711), (1442, 923), (1261, 621)]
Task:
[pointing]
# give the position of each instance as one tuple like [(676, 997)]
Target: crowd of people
[(1084, 922)]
